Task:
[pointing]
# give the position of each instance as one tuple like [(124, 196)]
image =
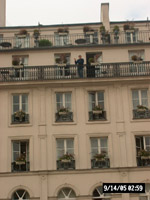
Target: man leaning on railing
[(80, 65)]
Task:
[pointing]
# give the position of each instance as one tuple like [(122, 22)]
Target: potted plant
[(97, 110), (20, 115), (62, 31), (16, 63), (141, 108), (45, 43), (116, 30), (63, 111), (100, 157), (67, 157), (22, 33), (61, 61), (36, 33), (102, 30), (136, 58), (21, 160), (144, 154), (128, 26), (88, 30)]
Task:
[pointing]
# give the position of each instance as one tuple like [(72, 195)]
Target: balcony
[(103, 70), (100, 163), (64, 117), (18, 120), (145, 114), (69, 40), (20, 166), (97, 116), (65, 164), (143, 161)]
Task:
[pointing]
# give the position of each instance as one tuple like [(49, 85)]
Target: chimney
[(2, 13), (105, 15)]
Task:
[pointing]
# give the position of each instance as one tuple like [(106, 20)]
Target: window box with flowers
[(67, 161), (20, 117), (67, 157), (22, 33), (142, 112), (100, 161), (143, 154), (64, 115), (21, 160), (97, 110)]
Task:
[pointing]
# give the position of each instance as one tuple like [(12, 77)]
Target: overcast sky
[(47, 12)]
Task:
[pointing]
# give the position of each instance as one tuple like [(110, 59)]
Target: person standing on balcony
[(80, 65)]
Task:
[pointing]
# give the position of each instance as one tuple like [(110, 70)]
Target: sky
[(48, 12)]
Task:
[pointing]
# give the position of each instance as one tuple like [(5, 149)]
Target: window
[(66, 193), (139, 54), (91, 37), (20, 155), (99, 152), (20, 195), (96, 106), (65, 154), (61, 39), (63, 107), (143, 150), (20, 108), (139, 97), (22, 41), (131, 36), (146, 195), (140, 104), (20, 72), (99, 195)]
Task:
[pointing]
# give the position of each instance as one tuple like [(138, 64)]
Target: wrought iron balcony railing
[(20, 120), (100, 163), (64, 116), (143, 161), (103, 70), (65, 164), (145, 114), (66, 39), (20, 166), (95, 115)]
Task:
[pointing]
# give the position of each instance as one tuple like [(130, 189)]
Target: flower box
[(141, 110), (20, 162), (145, 157), (63, 113), (21, 36), (65, 160), (61, 65), (18, 66), (97, 111)]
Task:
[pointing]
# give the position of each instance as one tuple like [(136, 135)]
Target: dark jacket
[(80, 62)]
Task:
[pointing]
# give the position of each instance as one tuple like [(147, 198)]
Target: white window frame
[(20, 197), (96, 98), (66, 196), (64, 100), (20, 102), (99, 144), (65, 149), (139, 96), (101, 195)]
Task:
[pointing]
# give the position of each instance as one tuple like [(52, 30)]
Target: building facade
[(66, 128)]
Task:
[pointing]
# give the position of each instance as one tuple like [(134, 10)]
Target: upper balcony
[(66, 72), (66, 39)]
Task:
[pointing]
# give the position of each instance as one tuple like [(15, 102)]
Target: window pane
[(94, 142), (100, 96), (15, 108), (68, 101), (25, 98), (59, 98), (15, 146), (70, 143), (144, 94), (91, 101), (15, 99), (135, 94), (60, 143)]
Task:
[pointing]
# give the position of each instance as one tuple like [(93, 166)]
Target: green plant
[(62, 30), (142, 107), (67, 156), (36, 32), (102, 29), (23, 32), (116, 29), (98, 108), (100, 156), (19, 114), (143, 152), (134, 58), (15, 61), (87, 28), (63, 109), (45, 43), (22, 157), (91, 60), (128, 26)]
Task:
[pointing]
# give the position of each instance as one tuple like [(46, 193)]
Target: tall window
[(131, 36), (20, 195), (66, 193), (142, 142), (61, 39), (140, 97), (63, 100), (99, 195), (96, 99), (22, 41), (99, 145), (146, 195), (64, 146), (20, 155), (20, 102)]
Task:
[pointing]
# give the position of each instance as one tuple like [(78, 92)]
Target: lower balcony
[(93, 116), (143, 161), (20, 120), (64, 117), (65, 164), (18, 166), (105, 163), (145, 114)]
